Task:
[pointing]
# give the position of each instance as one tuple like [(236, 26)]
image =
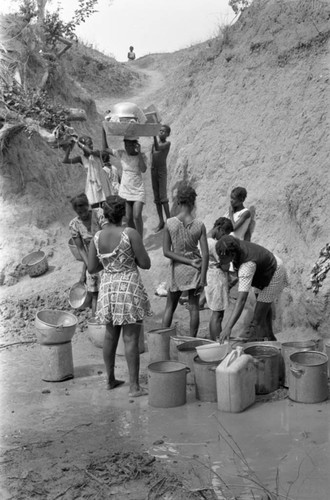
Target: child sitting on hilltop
[(131, 54)]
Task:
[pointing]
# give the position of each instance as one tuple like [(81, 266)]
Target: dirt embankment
[(248, 108), (251, 108)]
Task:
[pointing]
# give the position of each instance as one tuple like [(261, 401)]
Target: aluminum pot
[(159, 343), (206, 382), (308, 378), (54, 326), (268, 367), (167, 384), (36, 263), (289, 348), (186, 353)]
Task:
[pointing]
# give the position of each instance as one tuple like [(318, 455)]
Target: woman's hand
[(199, 288), (196, 263), (224, 335)]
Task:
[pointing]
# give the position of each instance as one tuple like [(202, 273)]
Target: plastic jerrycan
[(236, 378)]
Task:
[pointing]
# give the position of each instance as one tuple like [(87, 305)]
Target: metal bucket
[(268, 367), (327, 352), (186, 353), (174, 343), (308, 378), (289, 348), (159, 343), (206, 382), (167, 384), (96, 332), (54, 326)]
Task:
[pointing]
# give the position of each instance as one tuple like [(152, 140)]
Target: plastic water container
[(236, 377)]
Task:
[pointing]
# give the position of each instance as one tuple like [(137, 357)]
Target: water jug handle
[(231, 357)]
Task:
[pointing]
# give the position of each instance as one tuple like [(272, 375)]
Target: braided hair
[(186, 195), (114, 209), (224, 224), (227, 245), (240, 193)]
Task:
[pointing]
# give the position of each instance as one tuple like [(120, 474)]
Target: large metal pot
[(127, 111), (167, 384), (54, 326), (308, 378), (268, 367), (289, 348)]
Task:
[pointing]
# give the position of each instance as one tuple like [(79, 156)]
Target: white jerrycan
[(236, 378)]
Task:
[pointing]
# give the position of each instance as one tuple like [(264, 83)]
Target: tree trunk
[(41, 10)]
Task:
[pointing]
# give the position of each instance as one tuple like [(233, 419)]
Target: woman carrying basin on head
[(257, 267), (123, 301), (131, 189)]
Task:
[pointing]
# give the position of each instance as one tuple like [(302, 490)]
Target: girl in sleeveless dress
[(82, 228), (134, 164), (123, 301), (188, 267), (216, 291)]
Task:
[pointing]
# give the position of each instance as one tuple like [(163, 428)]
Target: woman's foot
[(141, 391), (114, 383)]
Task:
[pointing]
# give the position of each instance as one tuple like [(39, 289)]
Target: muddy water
[(231, 452)]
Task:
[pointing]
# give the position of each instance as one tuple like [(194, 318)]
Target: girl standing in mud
[(216, 290), (188, 268), (82, 228), (123, 301)]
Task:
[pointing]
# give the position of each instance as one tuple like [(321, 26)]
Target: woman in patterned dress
[(123, 301), (257, 267), (188, 267), (82, 229)]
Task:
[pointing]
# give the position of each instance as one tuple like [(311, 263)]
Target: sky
[(149, 25)]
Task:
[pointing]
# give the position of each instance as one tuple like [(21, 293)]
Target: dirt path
[(154, 81)]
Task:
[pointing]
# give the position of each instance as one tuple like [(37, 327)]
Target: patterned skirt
[(122, 299), (278, 282)]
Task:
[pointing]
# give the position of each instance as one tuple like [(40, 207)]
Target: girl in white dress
[(134, 164)]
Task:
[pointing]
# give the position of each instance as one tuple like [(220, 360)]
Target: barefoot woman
[(123, 301)]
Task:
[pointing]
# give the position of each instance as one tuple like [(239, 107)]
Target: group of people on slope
[(118, 296), (198, 263)]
